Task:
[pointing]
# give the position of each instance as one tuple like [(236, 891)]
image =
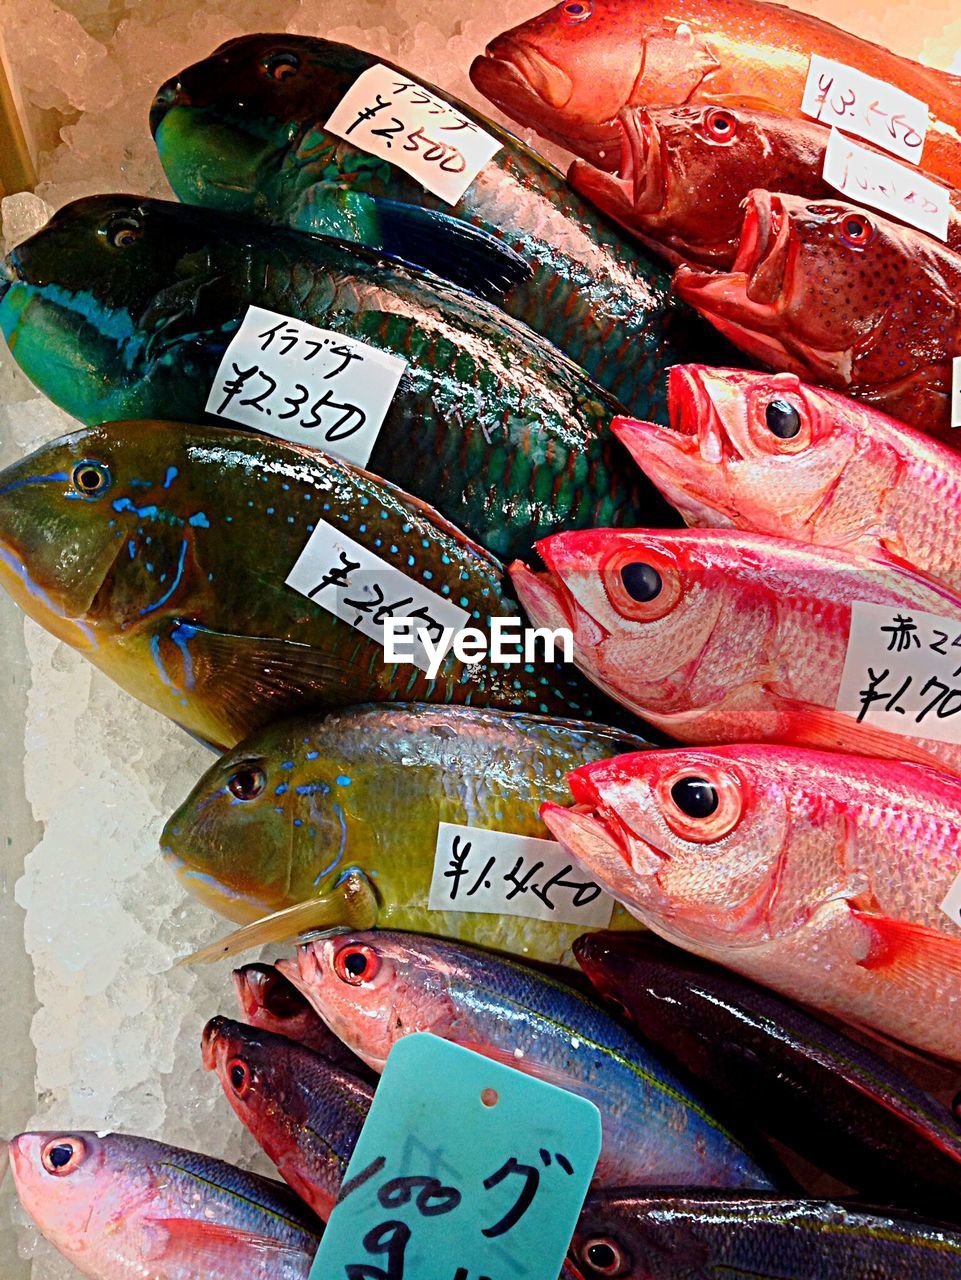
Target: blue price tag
[(464, 1170)]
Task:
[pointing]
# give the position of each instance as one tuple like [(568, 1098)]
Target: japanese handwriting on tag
[(498, 872), (870, 109), (487, 1186), (305, 384), (389, 115), (360, 588), (902, 672), (886, 185)]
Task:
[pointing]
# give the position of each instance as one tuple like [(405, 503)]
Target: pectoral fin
[(352, 905), (912, 954), (194, 1240), (833, 730)]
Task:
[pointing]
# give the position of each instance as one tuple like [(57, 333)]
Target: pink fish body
[(770, 454), (714, 635), (816, 874)]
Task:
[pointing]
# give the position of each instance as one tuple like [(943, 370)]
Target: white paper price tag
[(305, 384), (951, 906), (360, 588), (902, 672), (887, 185), (956, 392), (497, 872), (871, 109), (390, 115)]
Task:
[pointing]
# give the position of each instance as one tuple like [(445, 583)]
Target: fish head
[(269, 1001), (95, 301), (691, 840), (373, 988), (620, 1233), (224, 125), (643, 605), (96, 528), (272, 823), (751, 450), (259, 1078)]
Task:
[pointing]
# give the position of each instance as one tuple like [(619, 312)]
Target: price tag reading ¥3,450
[(499, 872), (391, 116), (887, 185), (902, 672), (871, 109), (305, 384), (464, 1170), (359, 587)]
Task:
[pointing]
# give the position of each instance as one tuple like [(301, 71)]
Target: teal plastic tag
[(464, 1170)]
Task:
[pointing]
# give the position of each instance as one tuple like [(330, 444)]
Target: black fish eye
[(237, 1076), (577, 10), (783, 419), (603, 1256), (356, 964), (63, 1155), (123, 231), (281, 65), (641, 581), (247, 784), (90, 478), (59, 1156), (695, 796)]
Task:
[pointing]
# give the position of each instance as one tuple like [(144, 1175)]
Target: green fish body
[(245, 131), (122, 308), (285, 817), (161, 551)]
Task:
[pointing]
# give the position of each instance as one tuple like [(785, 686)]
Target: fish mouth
[(593, 835), (637, 191), (544, 597), (231, 903), (764, 247), (508, 59)]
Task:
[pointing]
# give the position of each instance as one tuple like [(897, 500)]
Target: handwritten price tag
[(506, 874), (902, 672), (360, 588), (389, 115), (868, 108), (305, 384), (887, 185), (464, 1170)]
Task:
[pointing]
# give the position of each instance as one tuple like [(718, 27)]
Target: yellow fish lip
[(37, 604), (234, 905)]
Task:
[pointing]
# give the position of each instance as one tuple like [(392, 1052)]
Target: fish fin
[(196, 1239), (352, 905), (911, 952), (506, 1058), (834, 731)]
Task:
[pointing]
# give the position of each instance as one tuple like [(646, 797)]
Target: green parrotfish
[(245, 131), (314, 815), (122, 308)]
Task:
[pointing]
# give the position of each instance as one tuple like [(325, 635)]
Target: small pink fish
[(714, 635), (819, 875), (765, 452)]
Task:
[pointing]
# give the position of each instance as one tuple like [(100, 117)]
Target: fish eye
[(603, 1256), (357, 964), (63, 1155), (695, 797), (642, 590), (239, 1075), (247, 783), (576, 11), (721, 126), (123, 231), (641, 581), (281, 65), (89, 478), (855, 230), (700, 808), (783, 419)]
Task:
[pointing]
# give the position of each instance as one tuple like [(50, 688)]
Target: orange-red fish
[(820, 875)]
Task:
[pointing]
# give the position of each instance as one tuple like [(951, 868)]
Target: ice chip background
[(99, 1028)]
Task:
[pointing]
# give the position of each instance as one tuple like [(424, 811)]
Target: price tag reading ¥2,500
[(871, 109), (391, 116), (465, 1169), (902, 672), (887, 185), (359, 587), (305, 384), (506, 874)]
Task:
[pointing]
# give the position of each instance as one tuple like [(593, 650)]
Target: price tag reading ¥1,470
[(465, 1169), (506, 874), (902, 672), (871, 109), (360, 588), (389, 115), (310, 385), (887, 185)]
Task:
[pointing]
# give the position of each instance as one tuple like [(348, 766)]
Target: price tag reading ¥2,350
[(871, 109), (305, 384), (391, 116), (464, 1170), (902, 672), (499, 872), (887, 185)]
